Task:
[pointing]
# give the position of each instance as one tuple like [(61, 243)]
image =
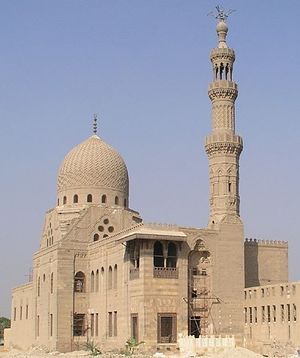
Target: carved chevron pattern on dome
[(93, 163)]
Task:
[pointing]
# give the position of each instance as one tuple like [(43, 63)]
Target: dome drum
[(87, 196)]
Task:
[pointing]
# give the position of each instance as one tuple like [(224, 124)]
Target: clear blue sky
[(143, 65)]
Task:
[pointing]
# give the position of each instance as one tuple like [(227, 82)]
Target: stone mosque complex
[(102, 274)]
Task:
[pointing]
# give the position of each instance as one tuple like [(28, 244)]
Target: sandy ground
[(226, 353), (38, 353)]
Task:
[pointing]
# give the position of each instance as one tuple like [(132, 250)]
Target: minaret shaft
[(223, 146)]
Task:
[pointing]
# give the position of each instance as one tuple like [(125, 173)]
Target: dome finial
[(95, 124), (221, 15)]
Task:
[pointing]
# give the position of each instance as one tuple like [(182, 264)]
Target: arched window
[(97, 281), (110, 278), (221, 70), (51, 283), (39, 287), (158, 255), (103, 199), (125, 203), (102, 280), (64, 200), (116, 276), (172, 255), (116, 200), (96, 237), (79, 282), (92, 281), (89, 198), (75, 199)]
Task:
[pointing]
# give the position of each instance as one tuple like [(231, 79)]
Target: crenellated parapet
[(260, 242)]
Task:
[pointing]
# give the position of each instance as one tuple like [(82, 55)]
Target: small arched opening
[(110, 278), (103, 199), (92, 281), (89, 198), (75, 199), (79, 282), (97, 281), (51, 283), (115, 276)]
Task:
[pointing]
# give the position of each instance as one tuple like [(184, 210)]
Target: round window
[(111, 229)]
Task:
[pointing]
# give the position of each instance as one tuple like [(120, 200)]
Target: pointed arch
[(110, 278), (92, 281)]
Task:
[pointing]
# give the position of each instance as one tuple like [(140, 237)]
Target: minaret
[(223, 146)]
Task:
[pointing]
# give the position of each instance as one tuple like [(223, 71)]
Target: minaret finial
[(95, 124), (221, 15)]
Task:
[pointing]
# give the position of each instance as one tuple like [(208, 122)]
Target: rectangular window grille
[(274, 313), (250, 314), (15, 313), (288, 312), (263, 314), (269, 313), (246, 315), (115, 323), (37, 326), (255, 314), (51, 325), (282, 312), (135, 326), (26, 312), (96, 324), (79, 324), (167, 328), (110, 328), (92, 325), (294, 313)]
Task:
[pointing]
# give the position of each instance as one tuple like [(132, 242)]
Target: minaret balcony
[(222, 53), (222, 84), (223, 90), (223, 143)]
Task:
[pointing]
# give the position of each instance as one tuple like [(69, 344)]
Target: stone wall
[(265, 262)]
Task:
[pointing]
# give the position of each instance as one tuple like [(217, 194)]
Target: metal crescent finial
[(221, 14), (95, 124)]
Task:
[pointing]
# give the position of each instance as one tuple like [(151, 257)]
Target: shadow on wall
[(251, 263)]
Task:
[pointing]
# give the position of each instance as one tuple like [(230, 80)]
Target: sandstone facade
[(102, 274)]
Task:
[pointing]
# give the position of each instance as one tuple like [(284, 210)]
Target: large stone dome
[(93, 165)]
